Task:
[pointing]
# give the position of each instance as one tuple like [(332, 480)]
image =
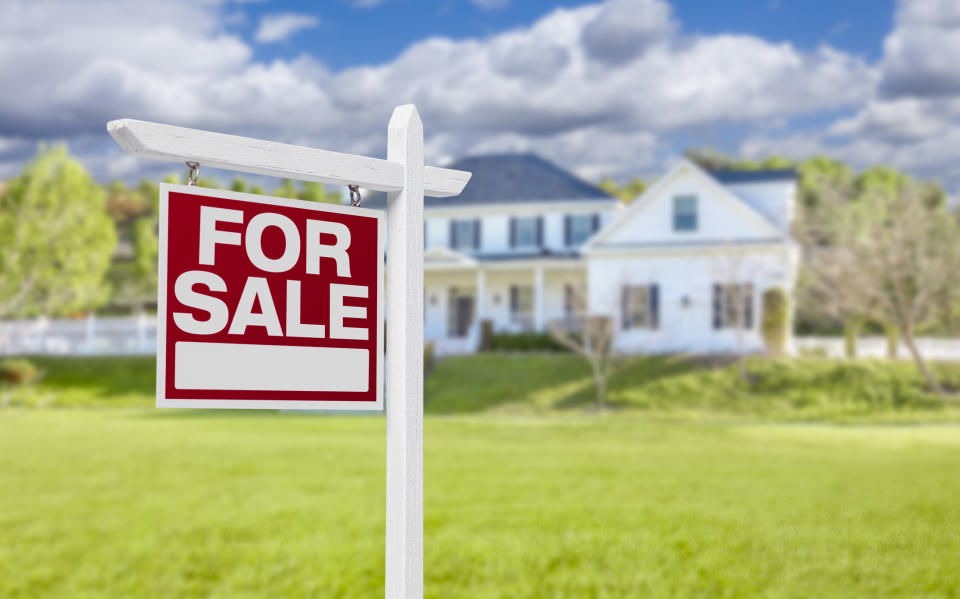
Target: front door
[(463, 315)]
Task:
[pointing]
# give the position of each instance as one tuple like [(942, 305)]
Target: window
[(685, 213), (579, 227), (465, 234), (526, 232), (460, 303), (640, 307), (732, 305), (521, 306)]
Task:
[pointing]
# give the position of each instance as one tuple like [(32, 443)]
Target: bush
[(776, 319), (524, 342), (18, 371), (486, 335), (429, 358)]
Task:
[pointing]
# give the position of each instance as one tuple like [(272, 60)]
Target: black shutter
[(514, 299), (453, 234), (747, 305), (513, 232), (625, 307), (595, 222), (717, 306), (566, 229), (476, 234), (654, 306), (539, 231)]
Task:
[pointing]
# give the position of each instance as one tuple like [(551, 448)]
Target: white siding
[(686, 328), (718, 217), (773, 199)]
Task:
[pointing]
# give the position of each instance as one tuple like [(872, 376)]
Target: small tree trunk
[(600, 383), (893, 340), (911, 344), (851, 332)]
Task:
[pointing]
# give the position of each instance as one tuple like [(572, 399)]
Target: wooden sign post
[(406, 180)]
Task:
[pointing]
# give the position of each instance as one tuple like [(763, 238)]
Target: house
[(526, 240)]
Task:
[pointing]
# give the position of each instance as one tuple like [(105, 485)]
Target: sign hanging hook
[(354, 195), (194, 172)]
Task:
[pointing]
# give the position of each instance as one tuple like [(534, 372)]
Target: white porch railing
[(124, 335)]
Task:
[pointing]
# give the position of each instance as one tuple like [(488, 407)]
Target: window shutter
[(514, 299), (513, 232), (567, 223), (625, 307), (747, 305), (654, 306), (453, 234), (539, 231), (717, 306), (476, 234), (595, 223)]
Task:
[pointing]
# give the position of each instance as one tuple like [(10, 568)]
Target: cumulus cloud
[(920, 54), (282, 26), (598, 88)]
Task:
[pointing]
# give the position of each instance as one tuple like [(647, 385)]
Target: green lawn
[(143, 503), (798, 390)]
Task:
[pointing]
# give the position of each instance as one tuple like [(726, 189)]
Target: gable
[(721, 216)]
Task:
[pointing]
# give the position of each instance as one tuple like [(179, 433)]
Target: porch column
[(538, 298), (481, 294)]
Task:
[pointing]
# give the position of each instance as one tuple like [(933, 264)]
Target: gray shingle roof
[(734, 177), (507, 178)]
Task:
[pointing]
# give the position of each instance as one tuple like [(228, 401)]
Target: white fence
[(126, 335), (932, 348), (132, 335)]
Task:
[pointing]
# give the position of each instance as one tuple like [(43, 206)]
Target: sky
[(616, 88)]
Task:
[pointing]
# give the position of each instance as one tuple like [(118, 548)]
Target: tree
[(56, 239), (287, 189), (628, 192), (238, 184), (590, 336), (317, 192), (891, 252)]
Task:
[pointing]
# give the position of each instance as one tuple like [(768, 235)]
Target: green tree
[(627, 192), (317, 192), (238, 184), (287, 189), (56, 239)]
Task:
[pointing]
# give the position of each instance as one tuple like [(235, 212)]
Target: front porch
[(517, 295)]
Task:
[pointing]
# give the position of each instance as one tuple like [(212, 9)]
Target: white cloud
[(599, 89), (282, 26)]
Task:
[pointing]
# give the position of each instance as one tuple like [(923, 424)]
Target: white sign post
[(406, 180)]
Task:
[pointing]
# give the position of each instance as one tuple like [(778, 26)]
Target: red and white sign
[(268, 303)]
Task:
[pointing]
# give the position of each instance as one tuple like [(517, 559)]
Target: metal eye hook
[(354, 195), (194, 172)]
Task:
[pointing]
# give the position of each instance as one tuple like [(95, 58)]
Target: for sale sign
[(268, 303)]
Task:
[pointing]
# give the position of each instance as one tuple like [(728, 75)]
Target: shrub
[(18, 371), (524, 342), (486, 335), (429, 358), (776, 319)]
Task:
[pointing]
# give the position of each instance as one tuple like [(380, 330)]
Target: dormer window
[(526, 232), (685, 213)]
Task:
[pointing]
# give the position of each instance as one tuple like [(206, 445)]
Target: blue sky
[(348, 33), (605, 88)]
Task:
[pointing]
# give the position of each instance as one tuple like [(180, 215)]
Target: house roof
[(730, 176), (508, 178)]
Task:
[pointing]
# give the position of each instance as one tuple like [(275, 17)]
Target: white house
[(526, 239)]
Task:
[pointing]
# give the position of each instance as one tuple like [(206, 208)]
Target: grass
[(799, 389), (141, 503), (802, 389)]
